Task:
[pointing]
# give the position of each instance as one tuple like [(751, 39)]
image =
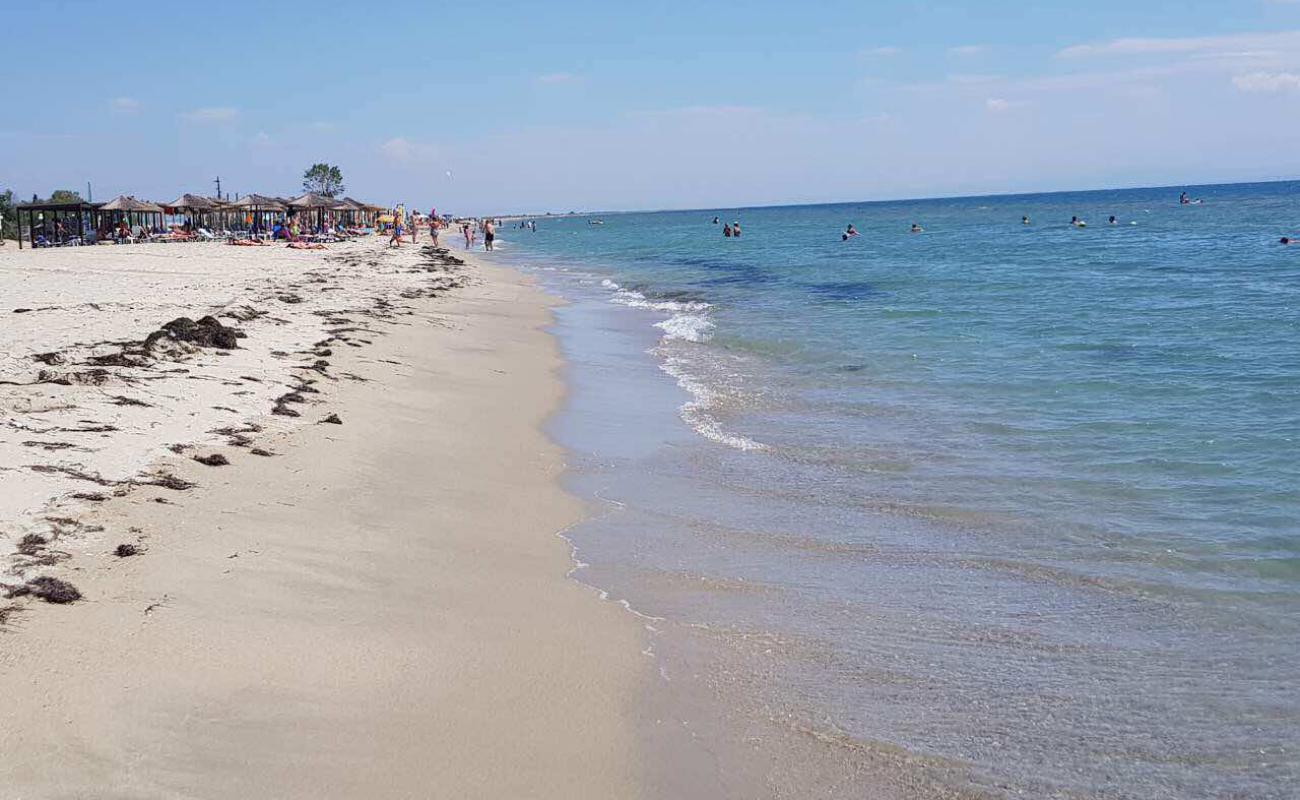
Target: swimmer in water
[(1078, 223), (726, 231), (1024, 220), (715, 220), (917, 228), (735, 229), (851, 231), (1113, 221), (1286, 240)]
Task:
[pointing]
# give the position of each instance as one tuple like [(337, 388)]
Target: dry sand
[(379, 610)]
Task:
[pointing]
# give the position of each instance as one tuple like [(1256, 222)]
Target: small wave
[(695, 412), (687, 328), (635, 299)]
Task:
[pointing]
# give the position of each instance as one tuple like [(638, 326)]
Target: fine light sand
[(381, 609)]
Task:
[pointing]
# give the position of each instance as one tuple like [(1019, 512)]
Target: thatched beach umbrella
[(194, 205), (259, 206), (313, 201), (258, 202), (126, 207)]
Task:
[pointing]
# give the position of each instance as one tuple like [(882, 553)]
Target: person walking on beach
[(464, 228), (415, 226), (396, 239), (434, 225), (489, 235)]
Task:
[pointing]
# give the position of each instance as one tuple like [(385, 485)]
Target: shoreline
[(410, 625)]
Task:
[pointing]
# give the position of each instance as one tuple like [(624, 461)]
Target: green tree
[(8, 219), (323, 179), (64, 196)]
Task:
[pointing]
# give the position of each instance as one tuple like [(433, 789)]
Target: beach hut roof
[(124, 203), (193, 202), (258, 202), (313, 200)]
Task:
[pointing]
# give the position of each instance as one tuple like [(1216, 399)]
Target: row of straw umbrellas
[(197, 204)]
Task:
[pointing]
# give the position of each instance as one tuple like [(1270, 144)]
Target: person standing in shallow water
[(735, 229), (726, 231), (489, 235)]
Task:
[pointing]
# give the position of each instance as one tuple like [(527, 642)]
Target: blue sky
[(582, 105)]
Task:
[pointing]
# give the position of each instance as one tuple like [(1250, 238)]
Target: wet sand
[(379, 609)]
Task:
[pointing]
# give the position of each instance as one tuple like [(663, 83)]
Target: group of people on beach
[(470, 229)]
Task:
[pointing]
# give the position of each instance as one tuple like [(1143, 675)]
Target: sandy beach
[(377, 608)]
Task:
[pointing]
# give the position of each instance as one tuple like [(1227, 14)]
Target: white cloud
[(969, 79), (702, 111), (967, 50), (886, 51), (556, 78), (212, 114), (1234, 43), (1268, 82), (997, 104), (125, 105), (401, 150)]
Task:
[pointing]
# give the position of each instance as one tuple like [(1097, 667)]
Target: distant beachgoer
[(1113, 221), (726, 231), (1183, 199), (489, 235), (851, 231), (917, 228), (715, 220), (1286, 240), (464, 229), (1078, 223), (735, 229), (433, 230), (1024, 220), (396, 238)]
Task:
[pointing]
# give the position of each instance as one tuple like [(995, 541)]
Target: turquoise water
[(1018, 498)]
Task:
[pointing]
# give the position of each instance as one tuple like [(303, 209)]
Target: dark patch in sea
[(844, 290)]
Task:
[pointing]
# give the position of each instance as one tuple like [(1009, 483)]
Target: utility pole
[(90, 198), (218, 187)]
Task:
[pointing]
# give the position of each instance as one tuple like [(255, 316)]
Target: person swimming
[(1078, 223), (1286, 240), (917, 228), (1113, 221), (850, 232), (715, 220), (1024, 220)]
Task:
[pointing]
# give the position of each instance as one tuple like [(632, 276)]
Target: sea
[(1007, 507)]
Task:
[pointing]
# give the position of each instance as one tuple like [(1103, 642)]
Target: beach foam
[(697, 412)]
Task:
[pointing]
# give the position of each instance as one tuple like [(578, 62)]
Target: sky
[(557, 106)]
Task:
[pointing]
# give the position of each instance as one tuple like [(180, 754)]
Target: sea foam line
[(689, 323)]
